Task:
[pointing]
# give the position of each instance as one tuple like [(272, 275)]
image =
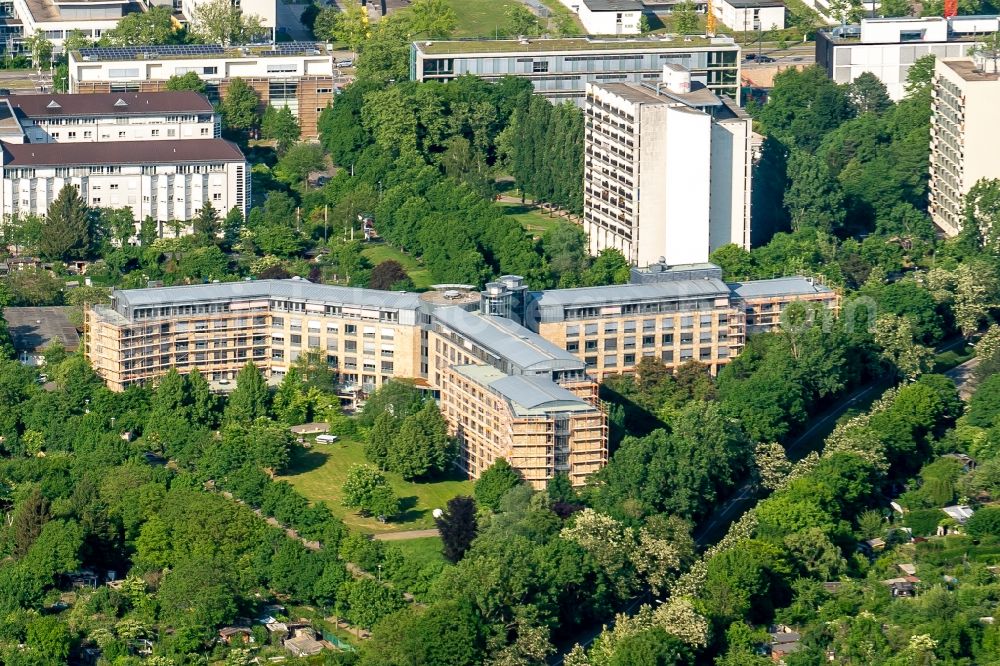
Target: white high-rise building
[(964, 137), (667, 170)]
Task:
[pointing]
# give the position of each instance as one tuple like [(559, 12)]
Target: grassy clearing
[(379, 252), (480, 18), (421, 551), (320, 472), (536, 222)]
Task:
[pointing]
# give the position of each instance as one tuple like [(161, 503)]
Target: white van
[(326, 439)]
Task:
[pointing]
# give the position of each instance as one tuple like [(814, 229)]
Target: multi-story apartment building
[(65, 118), (369, 336), (299, 75), (560, 69), (750, 15), (508, 392), (514, 370), (56, 19), (166, 180), (888, 47), (612, 328), (686, 150), (964, 137), (608, 17), (764, 301), (504, 390)]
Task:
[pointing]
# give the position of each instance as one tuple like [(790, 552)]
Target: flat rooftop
[(199, 51), (571, 44), (795, 285), (641, 93), (970, 71), (750, 4), (526, 395), (110, 104), (508, 340), (631, 293), (120, 152), (260, 289), (613, 5), (47, 11), (33, 329)]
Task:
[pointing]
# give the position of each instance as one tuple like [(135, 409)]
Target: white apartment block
[(298, 75), (964, 137), (750, 15), (685, 150), (66, 118), (166, 180), (608, 17), (56, 19), (888, 47)]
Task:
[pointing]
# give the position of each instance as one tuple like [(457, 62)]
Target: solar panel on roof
[(149, 52)]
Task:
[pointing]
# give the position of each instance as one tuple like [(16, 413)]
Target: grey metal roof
[(630, 293), (508, 340), (527, 395), (533, 392), (294, 289), (613, 5), (795, 285)]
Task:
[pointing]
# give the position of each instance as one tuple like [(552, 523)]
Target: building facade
[(299, 75), (964, 137), (608, 17), (508, 392), (168, 181), (56, 19), (888, 47), (685, 150), (763, 302), (67, 118), (560, 69), (505, 391), (750, 15)]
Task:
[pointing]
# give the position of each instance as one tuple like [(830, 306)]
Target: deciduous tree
[(458, 527)]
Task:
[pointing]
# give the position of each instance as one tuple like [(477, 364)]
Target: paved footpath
[(403, 536)]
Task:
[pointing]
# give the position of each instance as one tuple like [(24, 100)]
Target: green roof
[(569, 44)]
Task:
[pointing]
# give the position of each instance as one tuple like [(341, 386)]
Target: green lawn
[(535, 221), (319, 472), (480, 18), (379, 252), (420, 551)]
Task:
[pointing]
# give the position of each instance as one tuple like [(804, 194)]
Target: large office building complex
[(888, 47), (685, 150), (515, 371), (965, 141), (560, 69), (505, 391), (298, 75)]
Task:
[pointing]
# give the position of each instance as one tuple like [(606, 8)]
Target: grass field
[(534, 221), (420, 551), (319, 472), (480, 18), (380, 252)]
